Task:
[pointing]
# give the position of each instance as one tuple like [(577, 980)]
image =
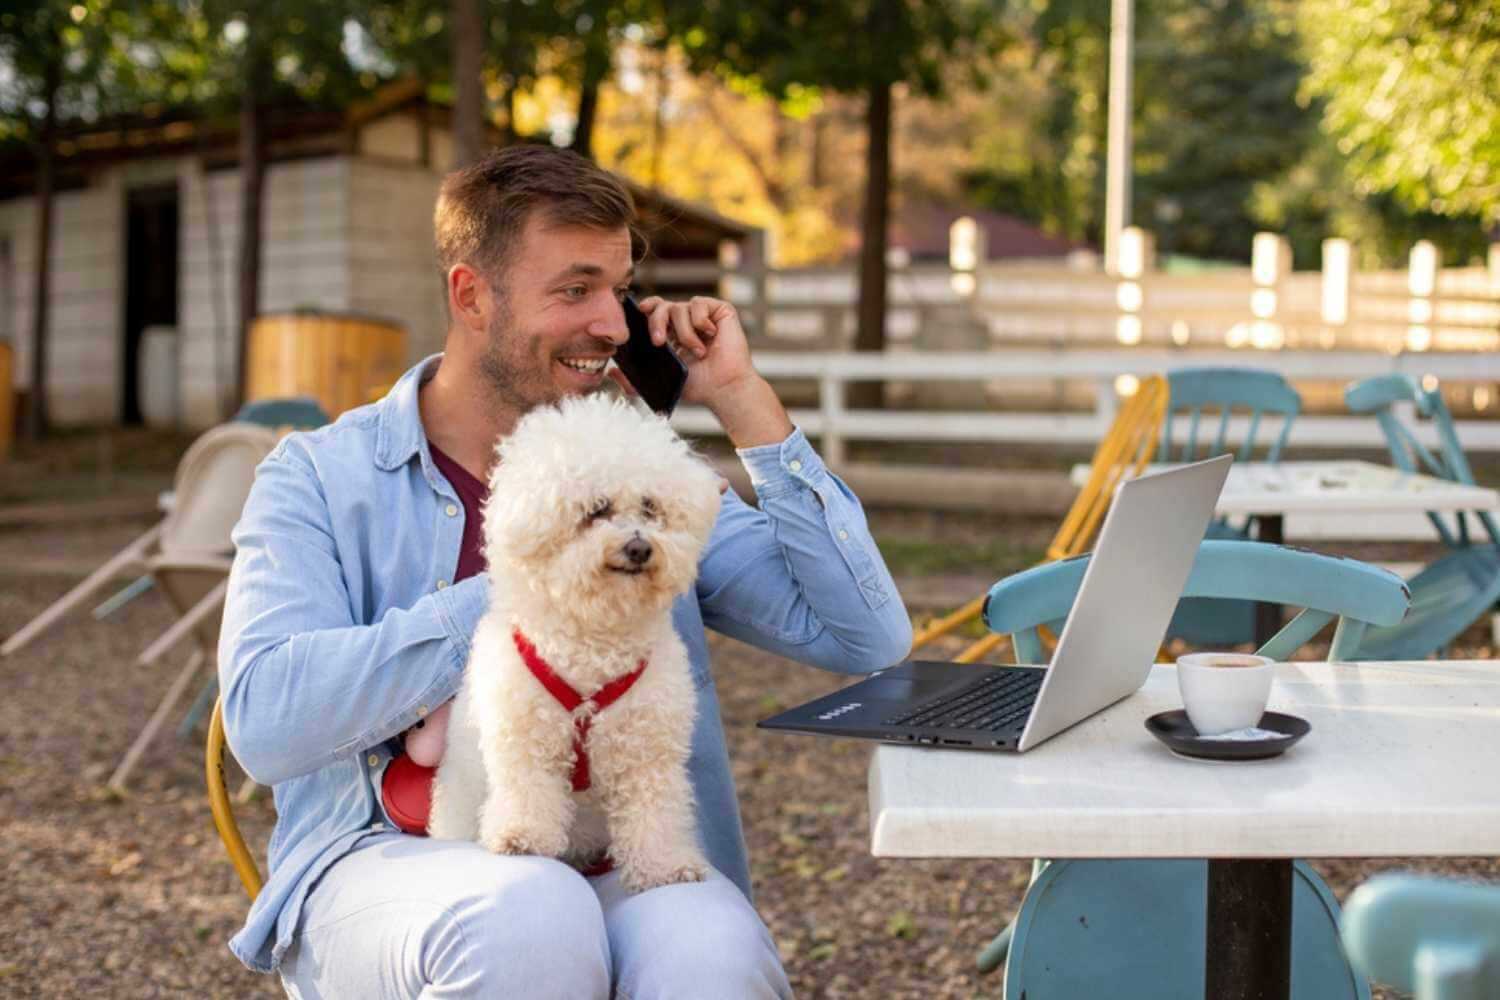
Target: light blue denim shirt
[(342, 627)]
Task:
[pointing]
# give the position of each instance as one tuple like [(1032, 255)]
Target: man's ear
[(470, 299)]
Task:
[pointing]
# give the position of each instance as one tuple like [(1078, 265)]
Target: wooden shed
[(146, 234)]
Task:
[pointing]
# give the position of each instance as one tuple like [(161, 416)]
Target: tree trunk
[(468, 82), (872, 274), (595, 70), (37, 418), (252, 188)]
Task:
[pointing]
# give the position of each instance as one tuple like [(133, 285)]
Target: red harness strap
[(571, 701)]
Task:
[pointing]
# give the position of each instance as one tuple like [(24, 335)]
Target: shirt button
[(452, 510), (378, 828), (441, 584), (374, 760), (795, 465), (843, 535)]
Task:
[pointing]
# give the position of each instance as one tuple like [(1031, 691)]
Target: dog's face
[(600, 508)]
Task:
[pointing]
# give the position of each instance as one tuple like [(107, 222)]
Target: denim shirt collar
[(399, 431)]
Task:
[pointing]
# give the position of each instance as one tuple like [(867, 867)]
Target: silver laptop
[(1119, 618)]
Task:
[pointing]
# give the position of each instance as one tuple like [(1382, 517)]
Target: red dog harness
[(407, 787), (571, 701)]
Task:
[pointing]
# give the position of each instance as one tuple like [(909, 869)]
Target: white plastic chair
[(192, 554)]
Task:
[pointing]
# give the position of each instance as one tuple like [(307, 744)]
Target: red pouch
[(406, 792)]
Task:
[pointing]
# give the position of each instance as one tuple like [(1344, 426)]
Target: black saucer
[(1174, 729)]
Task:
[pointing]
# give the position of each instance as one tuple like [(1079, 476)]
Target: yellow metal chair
[(1124, 452), (218, 802)]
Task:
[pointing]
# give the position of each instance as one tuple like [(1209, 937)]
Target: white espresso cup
[(1223, 692)]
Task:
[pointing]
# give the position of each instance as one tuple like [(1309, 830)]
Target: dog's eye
[(649, 507), (601, 508)]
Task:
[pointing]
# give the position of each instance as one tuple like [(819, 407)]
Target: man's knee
[(713, 946), (529, 923)]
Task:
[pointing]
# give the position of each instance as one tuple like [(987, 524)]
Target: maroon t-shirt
[(472, 493)]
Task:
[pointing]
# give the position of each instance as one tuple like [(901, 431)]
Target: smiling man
[(358, 582)]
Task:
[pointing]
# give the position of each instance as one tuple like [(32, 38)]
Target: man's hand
[(706, 334)]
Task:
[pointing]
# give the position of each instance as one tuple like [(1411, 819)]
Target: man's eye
[(620, 293), (601, 508), (576, 292)]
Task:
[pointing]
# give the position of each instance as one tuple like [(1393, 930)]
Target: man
[(356, 588)]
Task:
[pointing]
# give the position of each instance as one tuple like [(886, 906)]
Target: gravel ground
[(133, 897)]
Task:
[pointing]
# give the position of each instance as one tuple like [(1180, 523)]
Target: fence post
[(1136, 256), (968, 248), (751, 260), (831, 403), (1270, 260), (1421, 285), (1337, 285)]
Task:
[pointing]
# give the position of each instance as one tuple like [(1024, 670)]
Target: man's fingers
[(687, 336), (701, 312)]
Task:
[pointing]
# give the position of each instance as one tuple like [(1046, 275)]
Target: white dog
[(596, 517)]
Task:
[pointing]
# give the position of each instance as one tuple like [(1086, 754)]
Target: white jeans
[(405, 916)]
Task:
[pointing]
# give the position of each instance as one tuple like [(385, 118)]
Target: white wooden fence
[(1108, 373)]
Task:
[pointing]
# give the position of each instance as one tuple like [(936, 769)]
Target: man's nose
[(610, 324)]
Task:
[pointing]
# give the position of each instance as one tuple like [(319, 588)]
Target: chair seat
[(1446, 598), (1129, 929)]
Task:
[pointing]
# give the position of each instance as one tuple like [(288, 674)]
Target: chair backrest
[(1325, 587), (299, 412), (212, 483), (223, 811), (1438, 939), (1124, 452), (1383, 396), (1228, 392)]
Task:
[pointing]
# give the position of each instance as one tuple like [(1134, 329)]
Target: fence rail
[(835, 424)]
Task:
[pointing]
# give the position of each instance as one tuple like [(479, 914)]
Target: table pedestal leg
[(1249, 940), (1267, 616)]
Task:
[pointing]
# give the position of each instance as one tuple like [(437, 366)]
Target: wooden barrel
[(7, 398), (340, 360)]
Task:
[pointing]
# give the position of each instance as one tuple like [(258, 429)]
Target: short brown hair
[(483, 208)]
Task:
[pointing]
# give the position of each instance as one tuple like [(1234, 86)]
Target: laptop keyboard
[(994, 702)]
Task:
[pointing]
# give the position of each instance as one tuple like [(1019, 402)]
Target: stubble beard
[(504, 366)]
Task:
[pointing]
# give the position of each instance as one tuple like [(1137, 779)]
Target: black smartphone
[(655, 372)]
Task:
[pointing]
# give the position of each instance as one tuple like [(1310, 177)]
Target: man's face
[(558, 317)]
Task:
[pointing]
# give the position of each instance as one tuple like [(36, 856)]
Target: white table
[(1402, 760), (1346, 486)]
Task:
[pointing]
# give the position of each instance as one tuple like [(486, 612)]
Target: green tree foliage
[(1411, 92), (1214, 112), (866, 47)]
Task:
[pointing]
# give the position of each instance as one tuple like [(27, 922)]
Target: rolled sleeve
[(802, 575)]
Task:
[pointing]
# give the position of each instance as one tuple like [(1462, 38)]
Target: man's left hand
[(706, 334)]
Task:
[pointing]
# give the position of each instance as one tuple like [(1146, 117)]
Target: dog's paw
[(674, 871), (520, 840)]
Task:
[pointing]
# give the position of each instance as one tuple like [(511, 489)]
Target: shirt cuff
[(461, 606), (791, 461)]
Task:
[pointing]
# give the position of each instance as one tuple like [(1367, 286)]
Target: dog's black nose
[(638, 550)]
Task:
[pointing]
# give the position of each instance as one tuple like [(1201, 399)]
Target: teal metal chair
[(1456, 590), (1203, 401), (1438, 939), (301, 412), (1195, 396), (1145, 920)]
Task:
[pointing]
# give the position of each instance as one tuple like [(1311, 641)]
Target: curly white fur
[(574, 485)]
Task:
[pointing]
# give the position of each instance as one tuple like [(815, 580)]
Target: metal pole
[(1117, 167)]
